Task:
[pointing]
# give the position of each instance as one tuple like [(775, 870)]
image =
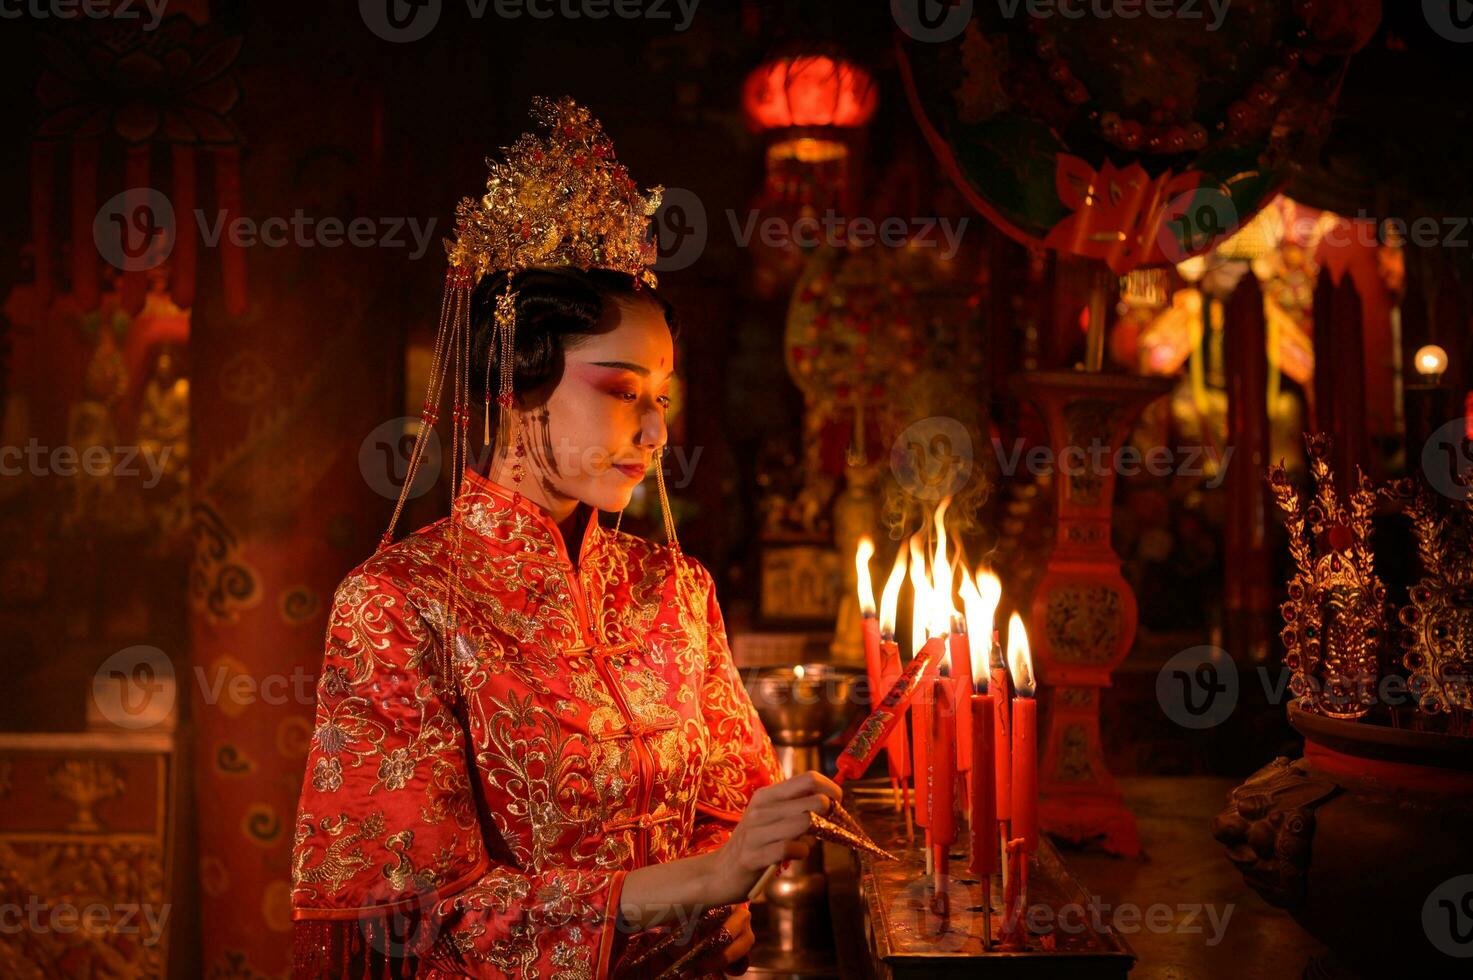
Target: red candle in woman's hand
[(876, 729), (983, 788), (897, 747)]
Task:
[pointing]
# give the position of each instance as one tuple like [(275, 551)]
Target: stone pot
[(1367, 841)]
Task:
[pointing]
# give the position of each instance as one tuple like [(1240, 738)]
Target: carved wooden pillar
[(1083, 614)]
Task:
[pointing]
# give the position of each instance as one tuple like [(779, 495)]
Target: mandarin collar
[(511, 519)]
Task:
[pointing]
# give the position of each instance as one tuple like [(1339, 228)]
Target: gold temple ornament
[(839, 827), (1438, 621), (1335, 617)]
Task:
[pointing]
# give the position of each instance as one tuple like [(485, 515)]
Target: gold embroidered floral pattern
[(396, 770), (327, 775), (593, 722)]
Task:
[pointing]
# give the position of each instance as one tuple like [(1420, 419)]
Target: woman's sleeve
[(739, 756), (388, 860)]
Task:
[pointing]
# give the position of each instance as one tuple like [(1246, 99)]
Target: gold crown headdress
[(559, 199), (1335, 617)]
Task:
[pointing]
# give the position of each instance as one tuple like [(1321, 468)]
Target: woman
[(533, 754)]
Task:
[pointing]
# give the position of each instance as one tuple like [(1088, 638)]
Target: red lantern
[(812, 90), (813, 108)]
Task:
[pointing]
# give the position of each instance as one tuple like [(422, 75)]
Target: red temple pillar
[(1340, 373), (293, 367), (1248, 579)]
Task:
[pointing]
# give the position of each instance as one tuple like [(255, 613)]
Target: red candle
[(1025, 737), (1003, 734), (867, 742), (1015, 896), (1025, 771), (961, 676), (897, 748), (873, 659), (984, 788), (943, 788), (920, 732), (943, 767)]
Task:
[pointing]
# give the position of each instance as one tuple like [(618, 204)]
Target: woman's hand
[(769, 833)]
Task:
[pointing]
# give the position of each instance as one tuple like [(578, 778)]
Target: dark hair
[(555, 308)]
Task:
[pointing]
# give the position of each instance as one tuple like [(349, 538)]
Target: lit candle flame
[(980, 597), (798, 672), (862, 554), (1020, 661), (942, 607), (890, 598), (988, 594), (990, 588), (921, 590)]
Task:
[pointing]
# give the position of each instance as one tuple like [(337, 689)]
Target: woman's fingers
[(820, 803), (793, 827), (827, 787), (740, 919), (789, 809), (796, 850), (740, 946), (777, 833), (784, 850), (803, 784)]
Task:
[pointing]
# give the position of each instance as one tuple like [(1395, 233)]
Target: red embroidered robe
[(595, 723)]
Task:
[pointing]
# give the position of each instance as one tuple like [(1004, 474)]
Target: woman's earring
[(519, 453), (665, 500)]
